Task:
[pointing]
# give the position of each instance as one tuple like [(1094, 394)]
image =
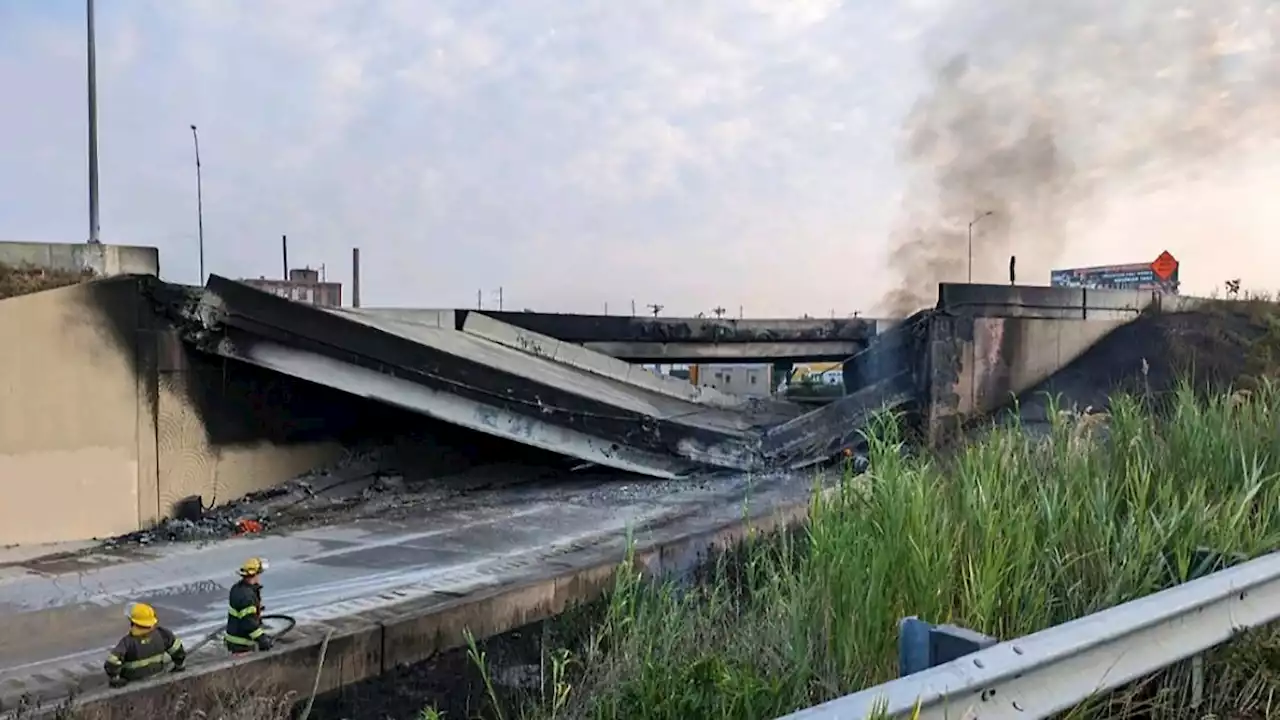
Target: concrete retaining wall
[(73, 446), (980, 364), (103, 260), (988, 344), (105, 421)]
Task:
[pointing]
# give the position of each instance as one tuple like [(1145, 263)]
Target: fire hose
[(289, 624)]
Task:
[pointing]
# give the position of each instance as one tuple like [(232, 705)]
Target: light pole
[(195, 136), (971, 224), (93, 128)]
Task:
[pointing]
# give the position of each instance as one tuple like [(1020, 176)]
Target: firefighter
[(244, 631), (140, 654)]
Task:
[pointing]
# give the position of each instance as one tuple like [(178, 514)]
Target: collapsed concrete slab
[(483, 374), (467, 379)]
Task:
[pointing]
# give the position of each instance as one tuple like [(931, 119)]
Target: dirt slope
[(15, 281), (1223, 345)]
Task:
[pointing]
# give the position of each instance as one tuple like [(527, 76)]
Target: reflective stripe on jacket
[(140, 655), (244, 616)]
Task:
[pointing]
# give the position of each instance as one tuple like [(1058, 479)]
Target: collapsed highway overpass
[(483, 374), (149, 392), (137, 395)]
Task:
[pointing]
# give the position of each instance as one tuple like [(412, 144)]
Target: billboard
[(1160, 274)]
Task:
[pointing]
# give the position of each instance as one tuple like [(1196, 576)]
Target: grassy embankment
[(24, 280), (1008, 535)]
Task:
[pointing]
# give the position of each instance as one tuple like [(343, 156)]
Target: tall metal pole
[(355, 277), (970, 281), (93, 129), (199, 202), (971, 224)]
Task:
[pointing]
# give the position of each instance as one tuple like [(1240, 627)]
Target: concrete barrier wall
[(980, 364), (70, 432), (103, 260), (1033, 301), (191, 462), (106, 419)]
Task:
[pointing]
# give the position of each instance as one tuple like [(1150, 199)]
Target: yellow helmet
[(253, 566), (141, 614)]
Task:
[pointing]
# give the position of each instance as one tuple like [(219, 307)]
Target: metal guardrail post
[(922, 645)]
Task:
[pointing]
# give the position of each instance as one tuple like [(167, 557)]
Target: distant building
[(818, 373), (751, 380), (304, 285)]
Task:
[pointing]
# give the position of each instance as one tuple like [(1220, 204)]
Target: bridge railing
[(1056, 669)]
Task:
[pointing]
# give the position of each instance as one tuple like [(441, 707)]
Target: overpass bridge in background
[(663, 340)]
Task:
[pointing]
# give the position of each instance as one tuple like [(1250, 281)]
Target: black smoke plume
[(1042, 114)]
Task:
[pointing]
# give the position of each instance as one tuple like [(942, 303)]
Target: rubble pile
[(354, 481)]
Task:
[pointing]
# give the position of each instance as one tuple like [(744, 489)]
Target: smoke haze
[(1091, 129)]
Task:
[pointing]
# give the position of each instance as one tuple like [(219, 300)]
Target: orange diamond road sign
[(1164, 266)]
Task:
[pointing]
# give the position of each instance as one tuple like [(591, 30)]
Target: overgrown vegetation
[(1010, 535), (24, 280)]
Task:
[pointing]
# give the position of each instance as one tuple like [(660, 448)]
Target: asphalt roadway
[(63, 613)]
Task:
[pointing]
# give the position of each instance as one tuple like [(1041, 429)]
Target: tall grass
[(1012, 534)]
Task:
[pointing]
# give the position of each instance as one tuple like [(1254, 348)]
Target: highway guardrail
[(1056, 669)]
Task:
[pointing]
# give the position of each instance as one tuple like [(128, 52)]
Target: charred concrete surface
[(482, 562), (139, 395), (114, 410), (679, 340), (1032, 301), (394, 587), (504, 386), (583, 329), (702, 352), (151, 394), (989, 344), (983, 346)]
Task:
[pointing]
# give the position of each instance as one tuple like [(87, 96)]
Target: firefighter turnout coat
[(244, 619), (140, 654)]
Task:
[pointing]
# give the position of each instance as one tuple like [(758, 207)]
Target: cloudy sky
[(692, 153)]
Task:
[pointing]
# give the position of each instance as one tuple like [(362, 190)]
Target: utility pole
[(718, 311), (355, 277), (633, 308), (93, 128), (654, 308), (195, 136), (971, 224), (480, 299), (499, 298)]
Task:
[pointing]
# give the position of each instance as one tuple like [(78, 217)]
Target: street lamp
[(971, 224), (93, 127), (195, 136)]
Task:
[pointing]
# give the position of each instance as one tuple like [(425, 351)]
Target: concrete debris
[(382, 480)]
